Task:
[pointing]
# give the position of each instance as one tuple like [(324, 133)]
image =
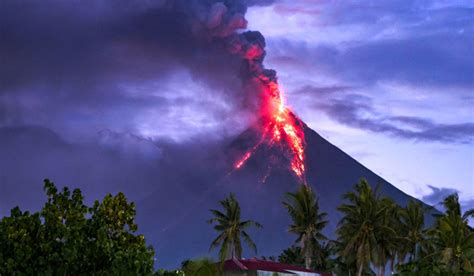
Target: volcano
[(259, 185)]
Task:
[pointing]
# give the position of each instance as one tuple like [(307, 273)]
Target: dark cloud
[(440, 60), (79, 44), (413, 121), (93, 93), (358, 111), (437, 195), (166, 179), (424, 43), (112, 162), (431, 60), (70, 62), (326, 91)]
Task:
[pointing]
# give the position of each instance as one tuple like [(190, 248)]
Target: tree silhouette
[(230, 227), (308, 221)]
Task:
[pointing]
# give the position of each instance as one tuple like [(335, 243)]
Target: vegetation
[(364, 229), (163, 272), (292, 255), (231, 229), (452, 239), (68, 238), (308, 221), (412, 231), (201, 267), (375, 232)]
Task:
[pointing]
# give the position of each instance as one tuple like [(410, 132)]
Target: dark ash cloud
[(94, 93), (69, 63)]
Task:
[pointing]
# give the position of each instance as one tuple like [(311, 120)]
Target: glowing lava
[(279, 126)]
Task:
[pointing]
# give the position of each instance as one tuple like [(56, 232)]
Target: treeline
[(66, 237), (374, 233)]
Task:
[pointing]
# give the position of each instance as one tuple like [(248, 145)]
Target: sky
[(115, 84), (389, 82)]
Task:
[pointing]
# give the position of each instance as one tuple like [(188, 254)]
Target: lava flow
[(279, 125)]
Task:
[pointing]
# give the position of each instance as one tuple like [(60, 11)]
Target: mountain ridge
[(260, 185)]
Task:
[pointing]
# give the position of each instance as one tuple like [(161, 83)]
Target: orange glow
[(280, 126), (242, 161)]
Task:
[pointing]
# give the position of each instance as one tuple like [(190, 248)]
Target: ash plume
[(221, 25), (278, 126), (72, 56)]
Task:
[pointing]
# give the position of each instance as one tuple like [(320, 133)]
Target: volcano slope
[(180, 231)]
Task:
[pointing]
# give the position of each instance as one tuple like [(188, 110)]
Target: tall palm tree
[(452, 238), (228, 223), (308, 221), (363, 227), (412, 231), (388, 244)]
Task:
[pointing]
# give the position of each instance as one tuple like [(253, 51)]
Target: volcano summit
[(259, 185)]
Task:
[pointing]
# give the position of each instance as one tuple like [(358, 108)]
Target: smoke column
[(279, 126)]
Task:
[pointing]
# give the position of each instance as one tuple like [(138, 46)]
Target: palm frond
[(249, 241)]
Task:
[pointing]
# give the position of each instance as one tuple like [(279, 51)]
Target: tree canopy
[(66, 237)]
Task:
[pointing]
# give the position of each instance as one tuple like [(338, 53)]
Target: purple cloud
[(358, 111)]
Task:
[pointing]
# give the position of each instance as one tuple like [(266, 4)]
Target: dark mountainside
[(175, 190), (330, 172)]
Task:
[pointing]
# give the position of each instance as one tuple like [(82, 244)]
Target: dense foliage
[(68, 238), (376, 232), (201, 267)]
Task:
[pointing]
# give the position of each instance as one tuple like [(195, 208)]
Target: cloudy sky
[(389, 82)]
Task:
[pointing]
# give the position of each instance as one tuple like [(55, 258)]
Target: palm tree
[(388, 245), (412, 231), (363, 229), (343, 265), (308, 221), (231, 229), (323, 258), (453, 239)]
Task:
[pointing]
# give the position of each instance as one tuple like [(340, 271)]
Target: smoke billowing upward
[(113, 71), (278, 122), (223, 25), (217, 29)]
